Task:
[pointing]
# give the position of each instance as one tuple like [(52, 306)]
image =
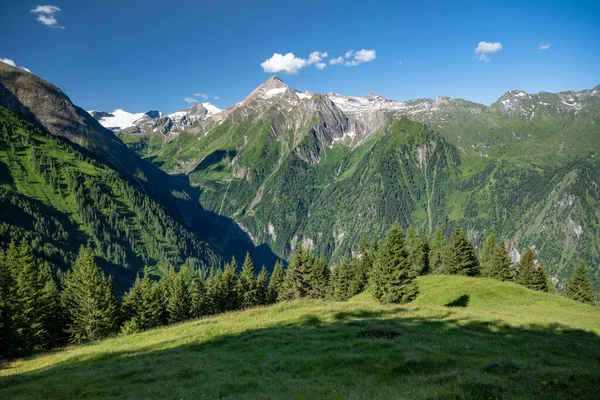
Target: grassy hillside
[(462, 338)]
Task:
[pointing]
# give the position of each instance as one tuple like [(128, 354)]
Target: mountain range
[(325, 169), (284, 167)]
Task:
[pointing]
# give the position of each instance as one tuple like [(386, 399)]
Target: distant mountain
[(322, 170), (155, 121)]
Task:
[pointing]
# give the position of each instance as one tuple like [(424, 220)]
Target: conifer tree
[(437, 251), (29, 321), (88, 299), (298, 276), (579, 287), (201, 304), (425, 267), (223, 289), (415, 248), (276, 282), (262, 287), (392, 279), (526, 267), (498, 264), (142, 305), (361, 267), (463, 260), (247, 284), (7, 302), (179, 305), (340, 283), (318, 278), (489, 246), (539, 279), (53, 313)]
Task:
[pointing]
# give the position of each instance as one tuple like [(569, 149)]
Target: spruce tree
[(487, 252), (247, 284), (262, 287), (7, 303), (340, 283), (299, 274), (223, 289), (319, 278), (361, 266), (463, 260), (179, 305), (413, 247), (539, 279), (88, 300), (142, 305), (392, 279), (425, 266), (437, 250), (276, 282), (53, 313), (579, 287), (498, 264), (29, 322), (201, 304), (526, 266)]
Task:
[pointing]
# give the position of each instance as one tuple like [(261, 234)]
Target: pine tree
[(361, 266), (497, 264), (7, 303), (415, 246), (179, 305), (526, 267), (392, 279), (463, 260), (262, 287), (436, 252), (142, 305), (319, 278), (298, 276), (247, 284), (53, 313), (29, 321), (88, 299), (222, 289), (579, 287), (425, 267), (201, 304), (276, 282), (539, 279), (340, 283), (489, 246)]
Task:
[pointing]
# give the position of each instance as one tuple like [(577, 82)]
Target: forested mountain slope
[(66, 180), (326, 169)]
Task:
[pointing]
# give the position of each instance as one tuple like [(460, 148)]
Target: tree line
[(40, 310)]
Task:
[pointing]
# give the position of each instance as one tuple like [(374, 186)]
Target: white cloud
[(400, 62), (12, 63), (46, 16), (320, 65), (544, 46), (485, 48), (191, 100), (216, 97), (201, 95), (316, 57), (352, 58), (364, 55), (45, 9), (287, 64)]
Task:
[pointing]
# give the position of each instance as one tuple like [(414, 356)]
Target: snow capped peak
[(211, 109), (120, 119)]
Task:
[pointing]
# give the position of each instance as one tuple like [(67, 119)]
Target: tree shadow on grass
[(462, 301), (312, 359)]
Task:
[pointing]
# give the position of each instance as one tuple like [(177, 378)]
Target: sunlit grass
[(500, 340)]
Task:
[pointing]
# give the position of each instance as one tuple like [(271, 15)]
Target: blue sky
[(141, 55)]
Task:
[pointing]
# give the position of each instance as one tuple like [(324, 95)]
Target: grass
[(463, 338)]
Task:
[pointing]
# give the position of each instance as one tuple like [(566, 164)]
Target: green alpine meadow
[(299, 200)]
